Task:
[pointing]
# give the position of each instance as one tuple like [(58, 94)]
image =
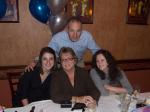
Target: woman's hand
[(30, 67), (90, 102), (87, 100), (2, 107)]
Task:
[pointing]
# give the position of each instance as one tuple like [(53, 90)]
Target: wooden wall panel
[(125, 41), (139, 79), (21, 42), (5, 96)]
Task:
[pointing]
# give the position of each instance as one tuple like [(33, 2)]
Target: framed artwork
[(81, 8), (12, 12), (138, 11)]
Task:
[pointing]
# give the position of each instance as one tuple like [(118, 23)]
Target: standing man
[(76, 38)]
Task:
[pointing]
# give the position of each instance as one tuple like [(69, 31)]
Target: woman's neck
[(71, 71), (45, 72)]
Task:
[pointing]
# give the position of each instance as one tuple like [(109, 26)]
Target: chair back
[(13, 79)]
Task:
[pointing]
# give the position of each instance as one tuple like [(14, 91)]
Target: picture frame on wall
[(81, 8), (138, 11), (12, 12)]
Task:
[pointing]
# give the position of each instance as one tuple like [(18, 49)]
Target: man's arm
[(54, 45), (92, 45), (31, 66)]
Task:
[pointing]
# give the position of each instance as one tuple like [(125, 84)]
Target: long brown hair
[(42, 52), (113, 71)]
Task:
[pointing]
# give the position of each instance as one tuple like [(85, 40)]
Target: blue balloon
[(3, 8), (40, 10)]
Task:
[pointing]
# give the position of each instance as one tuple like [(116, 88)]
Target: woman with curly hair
[(107, 76)]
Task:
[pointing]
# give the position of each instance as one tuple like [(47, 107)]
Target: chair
[(13, 79)]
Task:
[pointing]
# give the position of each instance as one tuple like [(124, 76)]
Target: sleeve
[(54, 45), (57, 94), (91, 88), (125, 83), (24, 84), (92, 44), (98, 82)]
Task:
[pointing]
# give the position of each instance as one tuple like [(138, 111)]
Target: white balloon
[(56, 6), (58, 22)]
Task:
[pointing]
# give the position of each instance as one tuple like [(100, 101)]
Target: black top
[(62, 90), (31, 87)]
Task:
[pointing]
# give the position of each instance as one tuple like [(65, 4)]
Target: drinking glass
[(125, 102)]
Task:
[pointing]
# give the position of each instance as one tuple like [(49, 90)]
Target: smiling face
[(101, 62), (74, 30), (47, 61), (67, 61)]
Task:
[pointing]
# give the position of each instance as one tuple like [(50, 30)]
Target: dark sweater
[(62, 90), (30, 87)]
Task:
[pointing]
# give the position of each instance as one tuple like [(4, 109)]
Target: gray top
[(100, 83)]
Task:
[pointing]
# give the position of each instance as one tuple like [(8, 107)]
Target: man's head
[(74, 29)]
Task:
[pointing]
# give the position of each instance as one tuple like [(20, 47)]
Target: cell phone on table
[(78, 106)]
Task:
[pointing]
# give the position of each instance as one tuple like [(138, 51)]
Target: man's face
[(74, 31)]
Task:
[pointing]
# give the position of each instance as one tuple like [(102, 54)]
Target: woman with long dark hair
[(35, 85), (107, 76)]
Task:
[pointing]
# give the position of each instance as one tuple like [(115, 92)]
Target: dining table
[(109, 103)]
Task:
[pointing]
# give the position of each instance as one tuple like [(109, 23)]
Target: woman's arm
[(23, 88), (113, 89), (98, 82), (126, 86), (125, 83)]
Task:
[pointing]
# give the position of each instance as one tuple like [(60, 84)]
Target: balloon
[(3, 8), (58, 22), (40, 10), (56, 6)]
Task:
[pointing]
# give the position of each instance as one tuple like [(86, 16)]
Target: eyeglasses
[(67, 59)]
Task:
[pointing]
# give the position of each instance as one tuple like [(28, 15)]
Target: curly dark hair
[(113, 70), (42, 52)]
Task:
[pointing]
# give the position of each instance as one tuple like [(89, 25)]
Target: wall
[(136, 82), (5, 96), (110, 30), (21, 42)]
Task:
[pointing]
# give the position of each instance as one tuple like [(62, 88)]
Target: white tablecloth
[(106, 104)]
